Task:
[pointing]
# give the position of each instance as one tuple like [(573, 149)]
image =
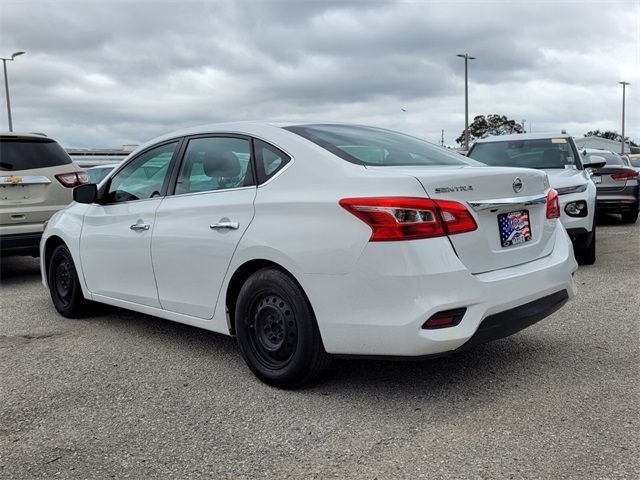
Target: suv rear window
[(26, 154), (377, 147), (535, 153)]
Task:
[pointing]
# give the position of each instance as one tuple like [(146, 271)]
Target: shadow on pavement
[(18, 269)]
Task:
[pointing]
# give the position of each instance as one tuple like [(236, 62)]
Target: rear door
[(115, 244), (198, 228)]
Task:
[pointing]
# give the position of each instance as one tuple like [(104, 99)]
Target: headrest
[(221, 163)]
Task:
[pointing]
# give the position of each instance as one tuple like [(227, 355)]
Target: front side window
[(215, 163), (144, 177), (545, 153), (377, 147)]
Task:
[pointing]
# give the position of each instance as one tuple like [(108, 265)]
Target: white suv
[(36, 180), (559, 157)]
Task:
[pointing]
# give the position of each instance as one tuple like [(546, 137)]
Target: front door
[(197, 229), (115, 245)]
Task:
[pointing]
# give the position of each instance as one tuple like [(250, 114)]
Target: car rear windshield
[(25, 154), (377, 147), (611, 158), (538, 153)]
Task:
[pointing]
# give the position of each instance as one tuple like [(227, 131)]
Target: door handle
[(136, 227), (225, 224)]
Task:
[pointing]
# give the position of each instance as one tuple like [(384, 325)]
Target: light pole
[(624, 87), (6, 84), (466, 97)]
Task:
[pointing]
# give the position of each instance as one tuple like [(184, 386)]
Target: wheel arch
[(50, 245), (238, 279)]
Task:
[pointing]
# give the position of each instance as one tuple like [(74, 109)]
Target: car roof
[(24, 135), (522, 136), (106, 165), (598, 150)]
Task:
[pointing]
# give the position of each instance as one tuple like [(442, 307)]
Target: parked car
[(617, 185), (36, 180), (559, 158), (312, 240), (99, 173), (634, 160)]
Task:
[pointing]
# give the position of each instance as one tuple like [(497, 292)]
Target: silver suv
[(36, 180)]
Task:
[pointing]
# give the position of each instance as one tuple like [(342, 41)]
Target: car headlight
[(576, 209)]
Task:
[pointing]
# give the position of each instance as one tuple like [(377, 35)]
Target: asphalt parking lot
[(124, 395)]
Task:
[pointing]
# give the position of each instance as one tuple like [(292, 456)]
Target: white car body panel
[(116, 260), (369, 298), (183, 223)]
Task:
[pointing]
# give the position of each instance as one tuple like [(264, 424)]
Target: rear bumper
[(618, 205), (20, 244), (379, 309)]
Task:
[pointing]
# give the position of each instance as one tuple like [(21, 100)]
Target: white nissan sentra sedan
[(307, 241)]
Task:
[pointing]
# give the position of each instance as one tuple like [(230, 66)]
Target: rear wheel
[(630, 217), (277, 331), (64, 284), (585, 251)]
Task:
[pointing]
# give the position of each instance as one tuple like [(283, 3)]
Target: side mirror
[(87, 193), (594, 161)]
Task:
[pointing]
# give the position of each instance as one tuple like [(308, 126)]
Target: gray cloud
[(102, 73)]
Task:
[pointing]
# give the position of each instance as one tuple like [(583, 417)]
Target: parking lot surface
[(124, 395)]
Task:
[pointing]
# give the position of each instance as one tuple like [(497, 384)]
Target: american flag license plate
[(514, 228)]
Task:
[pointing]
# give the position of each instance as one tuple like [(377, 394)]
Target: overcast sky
[(105, 73)]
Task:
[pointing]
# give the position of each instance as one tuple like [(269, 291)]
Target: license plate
[(597, 179), (514, 227)]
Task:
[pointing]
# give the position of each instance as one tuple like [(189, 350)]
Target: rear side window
[(26, 154), (269, 160)]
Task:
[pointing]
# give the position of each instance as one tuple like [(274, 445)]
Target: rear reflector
[(553, 204), (410, 218), (444, 319), (73, 179), (624, 176)]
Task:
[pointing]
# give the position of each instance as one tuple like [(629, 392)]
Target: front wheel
[(64, 285), (630, 217), (277, 331)]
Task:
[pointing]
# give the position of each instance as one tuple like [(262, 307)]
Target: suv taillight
[(553, 204), (73, 179), (410, 218), (624, 176)]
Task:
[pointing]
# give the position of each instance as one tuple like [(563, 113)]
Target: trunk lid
[(488, 192), (604, 183)]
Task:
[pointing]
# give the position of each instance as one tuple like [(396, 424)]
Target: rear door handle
[(225, 224), (136, 227)]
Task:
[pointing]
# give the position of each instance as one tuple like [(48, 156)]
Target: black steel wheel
[(64, 286), (277, 332)]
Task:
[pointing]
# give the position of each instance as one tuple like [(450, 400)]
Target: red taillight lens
[(624, 176), (553, 204), (409, 218), (73, 179)]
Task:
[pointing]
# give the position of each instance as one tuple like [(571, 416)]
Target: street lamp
[(466, 97), (6, 84), (624, 87)]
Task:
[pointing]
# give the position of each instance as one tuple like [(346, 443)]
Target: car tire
[(277, 332), (586, 253), (630, 217), (64, 285)]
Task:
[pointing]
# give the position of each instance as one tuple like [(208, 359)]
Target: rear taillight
[(624, 176), (73, 179), (553, 204), (409, 218)]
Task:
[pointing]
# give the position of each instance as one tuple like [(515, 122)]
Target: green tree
[(492, 124)]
